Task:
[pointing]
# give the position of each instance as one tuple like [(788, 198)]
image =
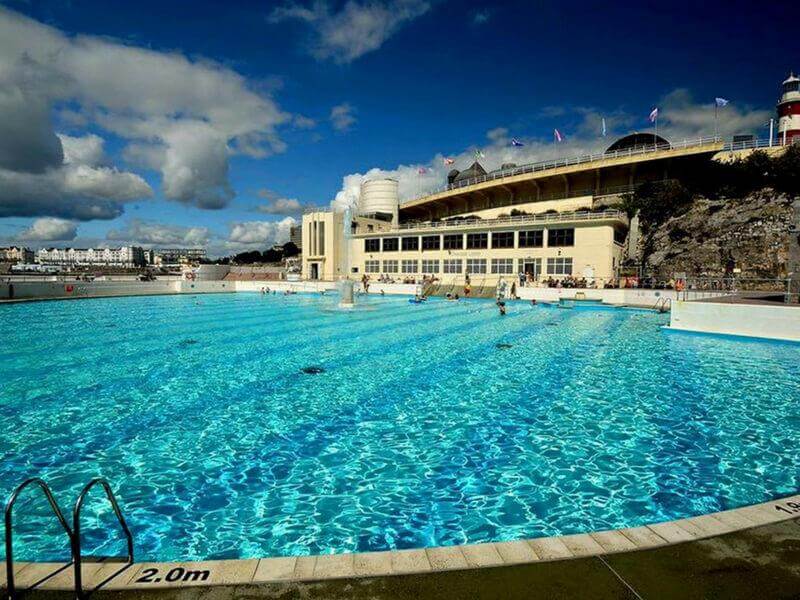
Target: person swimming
[(502, 306)]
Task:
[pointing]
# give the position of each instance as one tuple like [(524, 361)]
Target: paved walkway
[(762, 563)]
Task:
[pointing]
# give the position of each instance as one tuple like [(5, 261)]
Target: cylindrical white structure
[(789, 110), (379, 196)]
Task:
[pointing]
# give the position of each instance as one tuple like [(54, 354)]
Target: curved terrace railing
[(588, 158)]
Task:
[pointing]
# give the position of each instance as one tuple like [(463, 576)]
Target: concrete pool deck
[(740, 553)]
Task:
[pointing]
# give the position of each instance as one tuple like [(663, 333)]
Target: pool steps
[(76, 566), (252, 572)]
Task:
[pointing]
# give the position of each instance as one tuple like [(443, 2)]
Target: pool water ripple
[(432, 424)]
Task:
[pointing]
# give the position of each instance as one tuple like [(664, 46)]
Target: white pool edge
[(319, 568)]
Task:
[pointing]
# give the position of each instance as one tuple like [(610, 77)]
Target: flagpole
[(655, 141)]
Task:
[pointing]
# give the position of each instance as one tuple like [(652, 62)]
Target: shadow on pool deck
[(763, 563)]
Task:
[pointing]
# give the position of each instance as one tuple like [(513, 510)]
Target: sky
[(215, 124)]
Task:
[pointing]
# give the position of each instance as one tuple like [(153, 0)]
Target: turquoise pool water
[(419, 431)]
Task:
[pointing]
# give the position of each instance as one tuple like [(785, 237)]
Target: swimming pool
[(417, 425)]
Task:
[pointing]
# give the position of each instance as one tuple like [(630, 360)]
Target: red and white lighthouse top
[(790, 89)]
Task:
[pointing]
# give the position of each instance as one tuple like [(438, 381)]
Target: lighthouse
[(789, 110)]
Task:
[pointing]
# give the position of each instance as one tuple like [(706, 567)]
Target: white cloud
[(683, 118), (680, 118), (342, 117), (498, 135), (356, 29), (82, 187), (87, 150), (260, 233), (49, 229), (280, 206), (183, 117), (302, 122), (479, 17), (149, 233)]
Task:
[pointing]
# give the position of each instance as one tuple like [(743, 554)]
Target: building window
[(503, 266), (431, 242), (453, 265), (371, 266), (476, 265), (503, 239), (410, 266), (619, 236), (454, 242), (410, 243), (372, 245), (430, 266), (477, 240), (559, 266), (390, 266), (354, 269), (561, 237), (531, 239), (390, 244)]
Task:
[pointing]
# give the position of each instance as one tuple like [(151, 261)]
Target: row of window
[(499, 266), (474, 241)]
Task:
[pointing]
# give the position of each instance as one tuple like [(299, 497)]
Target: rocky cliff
[(714, 237)]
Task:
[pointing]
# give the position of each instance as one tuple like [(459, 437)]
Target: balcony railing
[(588, 158), (537, 219)]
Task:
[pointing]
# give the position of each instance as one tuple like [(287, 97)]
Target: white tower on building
[(789, 110)]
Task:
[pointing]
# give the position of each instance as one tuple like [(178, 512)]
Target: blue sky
[(213, 123)]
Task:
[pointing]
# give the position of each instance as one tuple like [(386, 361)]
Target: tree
[(290, 249), (247, 258), (272, 255), (787, 171), (657, 202)]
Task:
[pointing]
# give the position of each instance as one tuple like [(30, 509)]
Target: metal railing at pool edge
[(76, 529), (73, 533), (12, 499)]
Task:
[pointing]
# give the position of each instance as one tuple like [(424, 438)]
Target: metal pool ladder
[(73, 534)]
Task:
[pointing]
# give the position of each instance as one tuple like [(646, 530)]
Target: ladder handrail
[(12, 499), (76, 528)]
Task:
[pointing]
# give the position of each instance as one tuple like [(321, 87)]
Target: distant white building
[(125, 256), (16, 254), (174, 256)]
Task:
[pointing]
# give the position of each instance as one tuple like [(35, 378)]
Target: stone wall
[(749, 236), (29, 290)]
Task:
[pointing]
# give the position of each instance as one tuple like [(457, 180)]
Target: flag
[(604, 127), (447, 161), (422, 170), (558, 135), (479, 154), (516, 142), (721, 102), (653, 114)]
